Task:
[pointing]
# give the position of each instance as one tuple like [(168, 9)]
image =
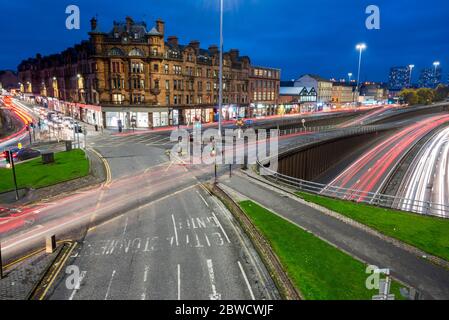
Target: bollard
[(50, 244)]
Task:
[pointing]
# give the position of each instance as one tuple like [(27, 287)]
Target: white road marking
[(145, 275), (202, 198), (221, 227), (126, 225), (109, 286), (179, 282), (246, 281), (210, 268), (82, 276), (176, 231)]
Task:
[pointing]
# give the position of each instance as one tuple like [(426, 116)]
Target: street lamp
[(350, 77), (411, 67), (220, 91), (360, 47), (436, 64)]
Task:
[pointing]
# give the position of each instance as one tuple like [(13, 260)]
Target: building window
[(166, 69), (156, 68)]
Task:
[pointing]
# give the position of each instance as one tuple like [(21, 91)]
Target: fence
[(377, 199)]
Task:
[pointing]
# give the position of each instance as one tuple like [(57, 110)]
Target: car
[(27, 153)]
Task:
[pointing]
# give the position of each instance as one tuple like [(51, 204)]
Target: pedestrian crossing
[(147, 140)]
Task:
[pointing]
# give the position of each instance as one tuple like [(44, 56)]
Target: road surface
[(427, 179)]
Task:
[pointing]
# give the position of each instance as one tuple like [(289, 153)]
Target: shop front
[(262, 110), (136, 117)]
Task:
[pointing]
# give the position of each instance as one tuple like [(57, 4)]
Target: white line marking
[(176, 231), (145, 275), (210, 268), (179, 282), (221, 227), (126, 225), (109, 286), (202, 198), (82, 276), (246, 281)]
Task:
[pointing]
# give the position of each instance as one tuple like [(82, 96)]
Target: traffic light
[(7, 156)]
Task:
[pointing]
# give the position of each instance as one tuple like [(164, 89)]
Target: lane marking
[(176, 231), (179, 282), (215, 295), (126, 226), (109, 286), (145, 275), (246, 281), (221, 227), (202, 198)]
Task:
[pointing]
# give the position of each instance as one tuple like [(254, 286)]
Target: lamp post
[(220, 91), (350, 77), (436, 64), (411, 67), (360, 47)]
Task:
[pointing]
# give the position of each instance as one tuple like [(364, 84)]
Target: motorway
[(427, 179), (367, 175)]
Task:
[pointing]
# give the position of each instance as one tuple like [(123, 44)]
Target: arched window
[(136, 53), (116, 52)]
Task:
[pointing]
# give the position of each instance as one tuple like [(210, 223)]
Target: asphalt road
[(186, 246), (368, 174), (427, 179)]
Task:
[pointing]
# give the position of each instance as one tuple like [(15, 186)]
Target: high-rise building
[(430, 77), (134, 76), (399, 78)]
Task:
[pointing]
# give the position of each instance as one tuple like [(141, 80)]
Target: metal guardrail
[(360, 196)]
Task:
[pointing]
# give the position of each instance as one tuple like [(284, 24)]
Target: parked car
[(27, 153)]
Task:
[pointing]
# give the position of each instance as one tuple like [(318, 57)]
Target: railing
[(360, 196)]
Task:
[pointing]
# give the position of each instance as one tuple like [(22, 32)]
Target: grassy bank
[(429, 234), (34, 174), (319, 270)]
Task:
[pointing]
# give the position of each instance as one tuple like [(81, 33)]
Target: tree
[(425, 96), (441, 92), (409, 96)]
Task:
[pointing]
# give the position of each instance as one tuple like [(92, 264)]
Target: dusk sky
[(296, 36)]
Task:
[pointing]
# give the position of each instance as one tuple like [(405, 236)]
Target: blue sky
[(315, 36)]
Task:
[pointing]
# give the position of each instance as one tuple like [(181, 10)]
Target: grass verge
[(319, 270), (430, 234), (33, 174)]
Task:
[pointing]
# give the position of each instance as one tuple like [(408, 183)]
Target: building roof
[(316, 77), (293, 91), (154, 32)]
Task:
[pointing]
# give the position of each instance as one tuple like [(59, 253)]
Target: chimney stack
[(213, 49), (234, 53), (195, 44), (93, 24), (129, 23), (173, 40), (160, 26)]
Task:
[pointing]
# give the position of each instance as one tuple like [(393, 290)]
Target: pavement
[(431, 280), (20, 279)]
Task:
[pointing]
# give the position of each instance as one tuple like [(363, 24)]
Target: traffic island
[(71, 171), (318, 269)]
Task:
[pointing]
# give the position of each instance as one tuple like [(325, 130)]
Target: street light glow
[(361, 46), (436, 64)]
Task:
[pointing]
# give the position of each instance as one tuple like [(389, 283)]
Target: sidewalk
[(18, 282), (431, 280)]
